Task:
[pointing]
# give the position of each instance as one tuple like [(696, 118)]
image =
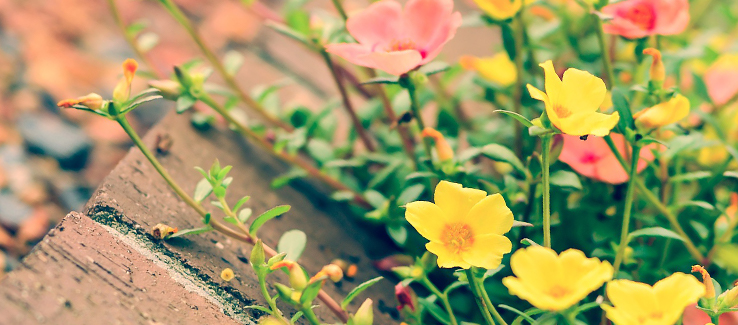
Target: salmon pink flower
[(721, 79), (641, 18), (593, 158), (395, 40), (694, 316)]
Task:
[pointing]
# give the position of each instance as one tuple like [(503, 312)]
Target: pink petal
[(424, 19), (395, 63), (352, 52), (379, 24), (447, 32), (672, 16), (722, 84), (620, 25)]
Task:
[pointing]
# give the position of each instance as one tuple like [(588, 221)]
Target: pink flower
[(396, 40), (641, 18), (592, 158), (694, 316), (721, 79)]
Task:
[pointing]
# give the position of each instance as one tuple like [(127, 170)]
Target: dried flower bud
[(333, 272), (162, 231), (168, 89), (92, 101), (707, 280), (365, 314), (406, 297), (442, 147), (658, 72), (123, 90), (227, 274)]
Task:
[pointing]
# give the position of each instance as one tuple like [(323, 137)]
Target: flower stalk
[(606, 59), (485, 304), (443, 297), (546, 183), (635, 156)]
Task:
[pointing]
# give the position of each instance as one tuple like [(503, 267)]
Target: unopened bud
[(728, 299), (332, 271), (123, 90), (442, 147), (298, 279), (658, 72), (365, 314), (270, 320), (169, 89), (406, 297), (92, 101), (258, 256), (707, 280), (162, 231)]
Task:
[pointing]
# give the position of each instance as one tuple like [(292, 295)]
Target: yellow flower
[(555, 282), (498, 68), (638, 303), (572, 104), (500, 9), (664, 113), (465, 226)]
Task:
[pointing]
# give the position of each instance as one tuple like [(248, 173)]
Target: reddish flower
[(396, 40), (406, 297), (592, 158), (641, 18), (694, 316)]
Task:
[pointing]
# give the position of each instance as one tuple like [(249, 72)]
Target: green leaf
[(241, 202), (147, 41), (435, 311), (508, 40), (416, 175), (701, 88), (341, 196), (620, 102), (289, 32), (434, 67), (292, 243), (398, 233), (382, 80), (516, 116), (184, 102), (260, 308), (266, 216), (690, 176), (501, 153), (654, 232), (297, 316), (359, 289), (193, 231), (489, 273), (202, 190), (287, 177), (410, 194), (648, 140), (244, 215), (520, 313), (565, 179), (699, 204), (383, 174), (521, 224), (232, 62), (311, 291)]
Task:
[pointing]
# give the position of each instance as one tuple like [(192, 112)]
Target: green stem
[(518, 95), (415, 107), (627, 209), (272, 304), (485, 304), (715, 319), (606, 59), (310, 315), (654, 201), (545, 181), (229, 79), (347, 102), (444, 299), (339, 8)]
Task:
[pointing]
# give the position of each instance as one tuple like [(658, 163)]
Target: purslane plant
[(633, 144)]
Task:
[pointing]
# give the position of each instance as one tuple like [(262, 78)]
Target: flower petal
[(490, 216), (552, 82), (377, 25), (447, 31), (424, 19), (634, 298), (427, 218), (672, 17), (487, 251), (676, 292), (665, 113), (538, 266), (594, 123), (446, 257), (352, 52), (581, 91), (394, 63), (456, 201)]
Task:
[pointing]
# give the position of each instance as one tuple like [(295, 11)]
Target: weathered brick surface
[(134, 198)]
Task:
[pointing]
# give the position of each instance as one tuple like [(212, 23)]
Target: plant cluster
[(631, 178)]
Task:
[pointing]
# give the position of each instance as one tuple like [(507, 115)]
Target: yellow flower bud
[(298, 279), (162, 231), (728, 299), (658, 72), (662, 114), (333, 272), (227, 274), (365, 314), (442, 147), (123, 90)]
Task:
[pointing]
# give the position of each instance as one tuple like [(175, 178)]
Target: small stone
[(13, 211), (34, 194), (49, 135), (6, 240)]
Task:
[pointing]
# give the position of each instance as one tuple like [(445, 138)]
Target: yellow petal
[(446, 258), (536, 265), (487, 251), (581, 92), (498, 69), (593, 123), (665, 113), (427, 218), (676, 292), (500, 9), (456, 201), (634, 299), (490, 216), (534, 295), (552, 81), (617, 316)]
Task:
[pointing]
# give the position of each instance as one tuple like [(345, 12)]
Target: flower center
[(457, 237), (558, 291), (589, 158), (657, 315), (561, 111), (641, 15), (400, 45)]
